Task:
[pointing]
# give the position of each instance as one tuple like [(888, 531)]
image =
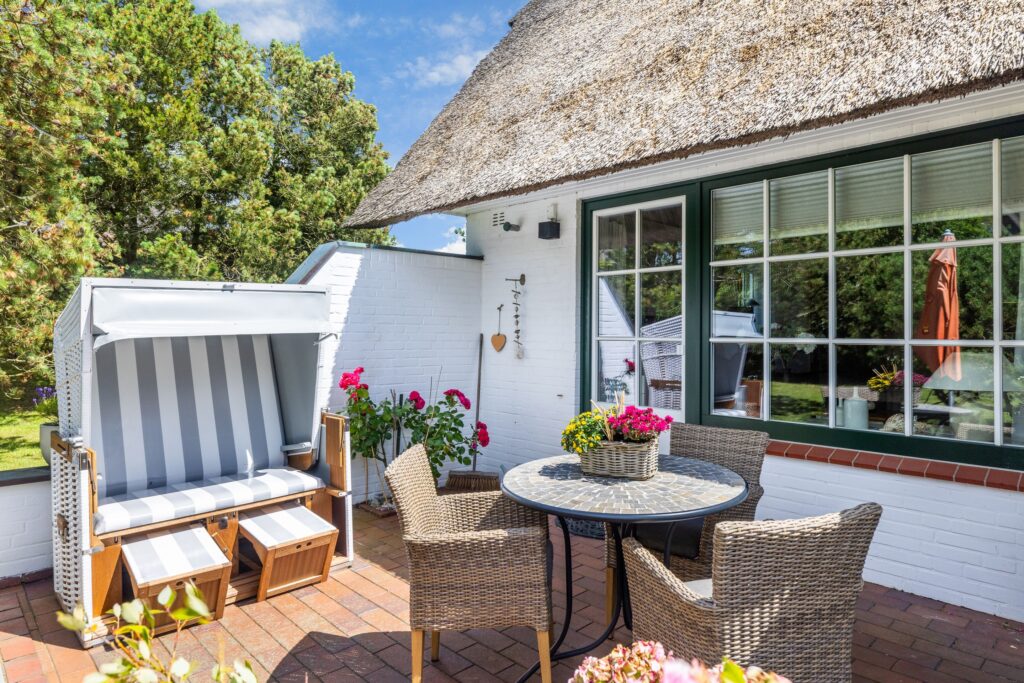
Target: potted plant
[(620, 441), (648, 661), (45, 402)]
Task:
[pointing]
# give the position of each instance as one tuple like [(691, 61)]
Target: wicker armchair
[(476, 560), (740, 450), (782, 595)]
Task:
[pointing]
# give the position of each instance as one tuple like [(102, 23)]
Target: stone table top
[(683, 488)]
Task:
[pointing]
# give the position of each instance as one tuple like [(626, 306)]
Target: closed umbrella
[(940, 316)]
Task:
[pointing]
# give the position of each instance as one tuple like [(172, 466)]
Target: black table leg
[(621, 602)]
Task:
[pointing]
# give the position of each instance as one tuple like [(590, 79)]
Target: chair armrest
[(487, 510), (653, 579), (521, 550)]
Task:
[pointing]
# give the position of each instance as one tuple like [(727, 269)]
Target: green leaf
[(732, 672), (133, 611), (74, 621), (166, 597), (180, 668)]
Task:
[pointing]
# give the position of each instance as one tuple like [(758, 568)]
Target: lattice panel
[(68, 482)]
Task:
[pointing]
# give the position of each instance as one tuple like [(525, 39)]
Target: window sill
[(991, 477), (25, 475)]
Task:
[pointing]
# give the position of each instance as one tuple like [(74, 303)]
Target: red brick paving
[(352, 628)]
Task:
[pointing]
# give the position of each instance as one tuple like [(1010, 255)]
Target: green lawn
[(19, 436)]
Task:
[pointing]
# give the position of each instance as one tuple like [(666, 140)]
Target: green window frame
[(697, 250)]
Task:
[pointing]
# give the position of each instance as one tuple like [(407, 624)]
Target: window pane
[(1012, 151), (799, 298), (661, 304), (869, 388), (661, 237), (1013, 396), (616, 297), (799, 372), (952, 190), (616, 370), (616, 242), (737, 215), (798, 214), (738, 371), (953, 293), (869, 205), (956, 398), (1013, 291), (869, 296), (739, 300), (661, 374)]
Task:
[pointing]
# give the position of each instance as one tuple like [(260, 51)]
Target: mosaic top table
[(683, 489)]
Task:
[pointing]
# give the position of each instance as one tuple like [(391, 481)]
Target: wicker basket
[(626, 459)]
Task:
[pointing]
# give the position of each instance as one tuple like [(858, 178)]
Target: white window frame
[(637, 272), (996, 344)]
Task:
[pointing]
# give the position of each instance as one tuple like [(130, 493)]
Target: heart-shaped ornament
[(498, 341)]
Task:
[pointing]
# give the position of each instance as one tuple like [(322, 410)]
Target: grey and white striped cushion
[(131, 510), (160, 555), (278, 524), (170, 410)]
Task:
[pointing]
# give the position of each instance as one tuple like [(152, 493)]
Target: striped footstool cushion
[(279, 524), (159, 556), (150, 506)]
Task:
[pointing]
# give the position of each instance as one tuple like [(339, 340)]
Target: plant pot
[(623, 459), (45, 430)]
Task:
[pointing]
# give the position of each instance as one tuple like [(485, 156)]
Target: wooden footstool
[(294, 545), (162, 558)]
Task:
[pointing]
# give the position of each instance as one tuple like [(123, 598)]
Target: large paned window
[(638, 304), (885, 296), (872, 300)]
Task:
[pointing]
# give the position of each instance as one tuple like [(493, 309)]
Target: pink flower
[(417, 401), (482, 435), (460, 396), (351, 379)]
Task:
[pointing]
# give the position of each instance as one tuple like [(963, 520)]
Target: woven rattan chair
[(740, 450), (782, 595), (476, 560)]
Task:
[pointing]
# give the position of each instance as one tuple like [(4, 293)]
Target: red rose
[(460, 396), (417, 401), (482, 435), (350, 379)]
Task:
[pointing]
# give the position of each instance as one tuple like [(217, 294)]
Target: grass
[(19, 436)]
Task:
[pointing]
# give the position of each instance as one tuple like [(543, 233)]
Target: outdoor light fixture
[(509, 227), (550, 229)]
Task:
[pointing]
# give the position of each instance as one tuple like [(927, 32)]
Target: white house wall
[(408, 318), (25, 528), (953, 542)]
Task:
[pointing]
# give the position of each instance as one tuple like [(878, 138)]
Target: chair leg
[(609, 596), (544, 649), (435, 646), (417, 655)]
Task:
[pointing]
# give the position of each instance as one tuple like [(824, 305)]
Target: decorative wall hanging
[(498, 340), (517, 338)]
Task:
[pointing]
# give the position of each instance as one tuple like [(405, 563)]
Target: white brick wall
[(408, 318), (957, 543), (25, 528)]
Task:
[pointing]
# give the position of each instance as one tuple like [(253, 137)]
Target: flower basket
[(625, 459)]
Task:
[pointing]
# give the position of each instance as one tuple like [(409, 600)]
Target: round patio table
[(683, 489)]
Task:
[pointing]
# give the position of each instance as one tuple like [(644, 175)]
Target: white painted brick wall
[(25, 528), (957, 543), (408, 318)]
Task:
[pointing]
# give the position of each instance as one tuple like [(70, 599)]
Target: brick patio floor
[(353, 628)]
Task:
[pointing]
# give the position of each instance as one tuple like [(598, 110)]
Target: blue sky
[(409, 58)]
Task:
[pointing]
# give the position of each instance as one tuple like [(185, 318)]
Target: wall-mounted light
[(550, 229), (509, 227)]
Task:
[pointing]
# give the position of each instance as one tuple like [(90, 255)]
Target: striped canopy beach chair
[(182, 404)]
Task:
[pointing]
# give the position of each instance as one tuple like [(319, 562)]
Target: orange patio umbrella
[(940, 317)]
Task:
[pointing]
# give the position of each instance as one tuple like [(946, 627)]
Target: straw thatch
[(580, 88)]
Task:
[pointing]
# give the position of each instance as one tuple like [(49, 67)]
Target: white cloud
[(264, 20), (458, 26), (443, 70), (456, 241)]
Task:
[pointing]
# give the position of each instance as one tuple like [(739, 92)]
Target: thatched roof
[(580, 88)]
